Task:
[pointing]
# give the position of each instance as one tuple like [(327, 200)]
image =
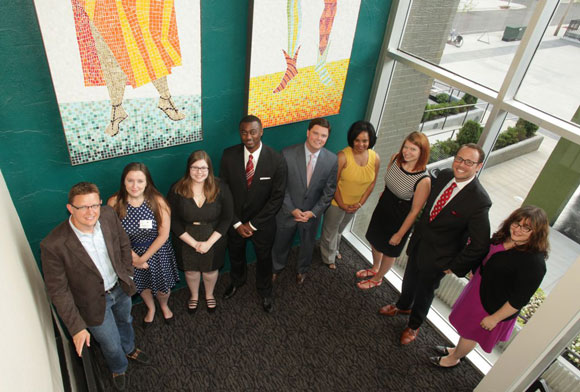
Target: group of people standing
[(101, 255)]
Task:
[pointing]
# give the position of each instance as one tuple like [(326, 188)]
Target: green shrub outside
[(469, 99), (442, 98), (529, 127), (469, 132)]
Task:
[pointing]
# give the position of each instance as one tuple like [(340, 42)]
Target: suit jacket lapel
[(240, 167), (78, 251), (108, 236)]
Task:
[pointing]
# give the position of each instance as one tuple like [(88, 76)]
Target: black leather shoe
[(139, 356), (268, 304), (436, 361), (230, 291), (441, 350), (119, 381)]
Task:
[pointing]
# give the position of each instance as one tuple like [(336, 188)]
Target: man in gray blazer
[(310, 188), (88, 271)]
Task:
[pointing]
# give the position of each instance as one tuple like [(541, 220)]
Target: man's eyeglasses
[(94, 207), (524, 228), (468, 162)]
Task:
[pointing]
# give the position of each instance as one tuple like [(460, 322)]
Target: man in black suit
[(256, 175), (452, 236)]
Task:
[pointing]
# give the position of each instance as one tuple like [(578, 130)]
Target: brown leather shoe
[(409, 335), (300, 278), (274, 277), (392, 310)]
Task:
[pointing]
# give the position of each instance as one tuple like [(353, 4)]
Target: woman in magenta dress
[(487, 309)]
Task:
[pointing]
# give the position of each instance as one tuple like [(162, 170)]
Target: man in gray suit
[(310, 188), (88, 272)]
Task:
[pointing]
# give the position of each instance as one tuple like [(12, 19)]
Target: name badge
[(146, 224)]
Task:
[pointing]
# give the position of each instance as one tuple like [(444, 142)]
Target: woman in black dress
[(407, 186), (202, 209)]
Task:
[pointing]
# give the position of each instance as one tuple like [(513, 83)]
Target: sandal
[(192, 305), (369, 284), (211, 305), (366, 273)]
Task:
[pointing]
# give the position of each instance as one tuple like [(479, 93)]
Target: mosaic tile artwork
[(300, 54), (141, 131), (126, 78)]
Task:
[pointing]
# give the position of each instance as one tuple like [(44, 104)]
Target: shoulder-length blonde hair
[(151, 194), (421, 141), (538, 221), (183, 187)]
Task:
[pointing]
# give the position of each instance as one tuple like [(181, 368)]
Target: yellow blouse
[(355, 179)]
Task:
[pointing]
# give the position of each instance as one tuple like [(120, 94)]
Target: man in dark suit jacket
[(452, 236), (88, 271), (256, 175), (311, 185)]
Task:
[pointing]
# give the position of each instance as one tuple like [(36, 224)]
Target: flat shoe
[(138, 356), (332, 266), (119, 381), (147, 324), (169, 320), (436, 361), (365, 273), (369, 284)]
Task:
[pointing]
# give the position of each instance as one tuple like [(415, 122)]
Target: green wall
[(33, 155)]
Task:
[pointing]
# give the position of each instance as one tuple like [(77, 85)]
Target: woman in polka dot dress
[(145, 216)]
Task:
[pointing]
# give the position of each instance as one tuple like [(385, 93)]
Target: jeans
[(115, 335)]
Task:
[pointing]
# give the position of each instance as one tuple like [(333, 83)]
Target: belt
[(199, 223), (112, 288)]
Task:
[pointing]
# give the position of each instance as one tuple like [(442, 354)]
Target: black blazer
[(260, 203), (441, 244)]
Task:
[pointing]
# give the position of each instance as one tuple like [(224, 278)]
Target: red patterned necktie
[(442, 201), (250, 170)]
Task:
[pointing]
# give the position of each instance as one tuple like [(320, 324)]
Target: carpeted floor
[(325, 335)]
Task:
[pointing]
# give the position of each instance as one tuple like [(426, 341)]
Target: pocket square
[(265, 178)]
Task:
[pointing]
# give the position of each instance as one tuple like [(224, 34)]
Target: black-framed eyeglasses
[(94, 207), (468, 162), (524, 228)]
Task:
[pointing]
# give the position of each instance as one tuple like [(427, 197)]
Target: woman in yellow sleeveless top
[(358, 167)]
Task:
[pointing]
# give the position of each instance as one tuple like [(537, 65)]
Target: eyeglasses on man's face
[(94, 207), (468, 162)]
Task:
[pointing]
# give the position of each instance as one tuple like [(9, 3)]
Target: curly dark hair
[(537, 219)]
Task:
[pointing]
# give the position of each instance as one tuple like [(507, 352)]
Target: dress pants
[(418, 290), (115, 335), (335, 220), (283, 242), (262, 239)]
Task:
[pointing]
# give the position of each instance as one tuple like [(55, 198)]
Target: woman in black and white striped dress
[(407, 186)]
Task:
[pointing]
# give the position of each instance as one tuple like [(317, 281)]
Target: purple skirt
[(468, 312)]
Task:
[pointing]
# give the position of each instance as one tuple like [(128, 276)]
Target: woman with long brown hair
[(407, 186), (202, 213), (145, 216), (487, 309)]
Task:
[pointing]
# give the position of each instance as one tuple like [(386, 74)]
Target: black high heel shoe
[(192, 305), (211, 305)]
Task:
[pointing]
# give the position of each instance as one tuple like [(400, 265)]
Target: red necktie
[(442, 201), (250, 170)]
